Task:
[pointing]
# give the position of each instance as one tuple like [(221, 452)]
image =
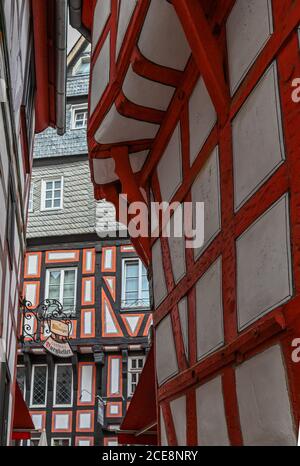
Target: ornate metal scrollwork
[(36, 322)]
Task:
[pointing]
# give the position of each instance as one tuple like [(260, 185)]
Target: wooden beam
[(206, 53)]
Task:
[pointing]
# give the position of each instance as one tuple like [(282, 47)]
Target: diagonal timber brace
[(206, 53)]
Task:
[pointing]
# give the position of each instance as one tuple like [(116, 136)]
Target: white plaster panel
[(110, 326), (264, 278), (88, 261), (178, 410), (206, 188), (162, 39), (263, 399), (163, 433), (61, 421), (86, 383), (87, 291), (125, 13), (84, 443), (61, 256), (87, 322), (32, 264), (159, 281), (176, 240), (114, 409), (132, 321), (145, 92), (100, 74), (101, 15), (108, 258), (104, 171), (211, 419), (249, 26), (30, 293), (202, 118), (117, 128), (114, 376), (37, 420), (184, 322), (169, 168), (209, 310), (137, 160), (85, 420), (166, 359), (258, 147)]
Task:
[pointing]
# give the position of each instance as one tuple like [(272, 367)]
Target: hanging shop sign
[(61, 349), (49, 320)]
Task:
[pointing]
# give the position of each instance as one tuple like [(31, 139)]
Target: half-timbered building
[(31, 99), (78, 255), (197, 100)]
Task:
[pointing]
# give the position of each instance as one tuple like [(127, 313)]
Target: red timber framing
[(272, 332)]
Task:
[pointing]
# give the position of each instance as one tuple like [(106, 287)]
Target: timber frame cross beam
[(206, 53)]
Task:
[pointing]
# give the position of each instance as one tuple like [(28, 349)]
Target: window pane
[(141, 363), (55, 276), (63, 385), (69, 276), (57, 194), (57, 184), (39, 385), (48, 204), (69, 289), (132, 269), (48, 194), (49, 185), (132, 284), (56, 203)]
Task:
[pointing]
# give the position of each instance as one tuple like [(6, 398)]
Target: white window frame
[(131, 371), (25, 388), (60, 438), (61, 290), (43, 193), (57, 405), (123, 295), (31, 386), (78, 64), (74, 109), (30, 197)]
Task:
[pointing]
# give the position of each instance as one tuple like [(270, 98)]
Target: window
[(82, 66), (30, 200), (39, 382), (135, 367), (61, 285), (60, 442), (79, 116), (21, 379), (63, 385), (135, 286), (33, 442), (52, 194)]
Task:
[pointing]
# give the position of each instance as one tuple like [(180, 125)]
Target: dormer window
[(79, 116), (82, 66)]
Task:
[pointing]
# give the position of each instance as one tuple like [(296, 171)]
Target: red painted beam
[(206, 53)]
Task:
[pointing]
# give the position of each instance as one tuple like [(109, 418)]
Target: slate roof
[(48, 143)]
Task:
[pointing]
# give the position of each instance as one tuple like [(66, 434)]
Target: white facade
[(15, 82)]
